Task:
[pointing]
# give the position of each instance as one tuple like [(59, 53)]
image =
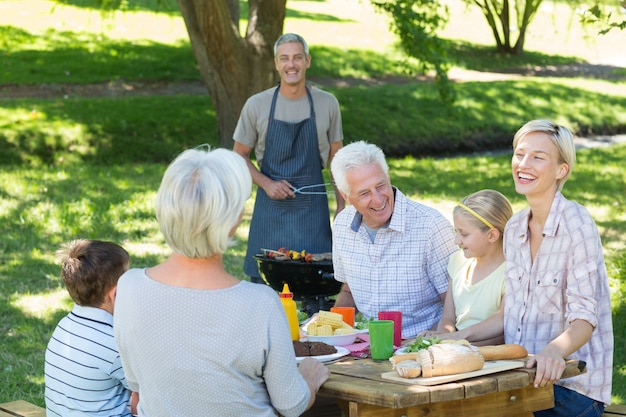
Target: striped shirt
[(404, 269), (83, 371), (567, 281)]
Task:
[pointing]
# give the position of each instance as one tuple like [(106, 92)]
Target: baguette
[(503, 352), (408, 369), (411, 356), (449, 359)]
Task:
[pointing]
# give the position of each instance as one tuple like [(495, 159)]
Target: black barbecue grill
[(310, 282)]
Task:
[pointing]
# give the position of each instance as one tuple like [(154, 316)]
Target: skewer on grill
[(326, 256), (280, 256)]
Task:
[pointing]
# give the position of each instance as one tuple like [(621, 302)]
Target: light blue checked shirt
[(404, 269)]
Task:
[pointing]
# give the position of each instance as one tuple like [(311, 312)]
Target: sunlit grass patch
[(43, 305)]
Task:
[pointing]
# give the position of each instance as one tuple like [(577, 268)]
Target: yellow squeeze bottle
[(286, 297)]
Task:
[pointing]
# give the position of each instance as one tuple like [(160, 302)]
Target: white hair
[(200, 200), (355, 155)]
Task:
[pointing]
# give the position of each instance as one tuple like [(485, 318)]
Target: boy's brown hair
[(90, 268)]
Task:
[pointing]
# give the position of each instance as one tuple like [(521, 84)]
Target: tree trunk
[(498, 14), (233, 67), (505, 20), (525, 17)]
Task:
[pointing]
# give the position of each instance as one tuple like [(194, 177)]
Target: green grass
[(89, 167), (81, 58), (405, 119), (104, 130)]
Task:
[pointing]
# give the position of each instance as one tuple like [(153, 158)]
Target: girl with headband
[(473, 308)]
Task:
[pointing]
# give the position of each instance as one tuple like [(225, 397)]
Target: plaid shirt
[(404, 269), (567, 281)]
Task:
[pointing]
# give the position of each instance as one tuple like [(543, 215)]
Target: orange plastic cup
[(346, 312)]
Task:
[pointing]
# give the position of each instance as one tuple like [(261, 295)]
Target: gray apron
[(300, 223)]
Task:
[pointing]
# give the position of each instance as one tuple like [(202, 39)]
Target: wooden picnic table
[(361, 391), (21, 408)]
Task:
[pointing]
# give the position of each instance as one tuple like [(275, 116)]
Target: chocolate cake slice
[(313, 349), (301, 348), (320, 348)]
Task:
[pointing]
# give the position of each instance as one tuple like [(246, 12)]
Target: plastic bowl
[(338, 340)]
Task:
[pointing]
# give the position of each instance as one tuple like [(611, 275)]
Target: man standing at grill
[(295, 130)]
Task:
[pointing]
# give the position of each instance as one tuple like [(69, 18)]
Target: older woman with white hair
[(188, 341)]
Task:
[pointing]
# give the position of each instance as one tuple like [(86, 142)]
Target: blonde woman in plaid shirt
[(557, 301)]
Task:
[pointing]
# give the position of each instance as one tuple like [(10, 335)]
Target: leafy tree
[(507, 17), (416, 22), (233, 66)]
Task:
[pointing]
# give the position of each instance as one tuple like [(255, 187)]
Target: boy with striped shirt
[(83, 371)]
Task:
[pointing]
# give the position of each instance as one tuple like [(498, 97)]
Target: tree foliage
[(599, 16), (416, 23)]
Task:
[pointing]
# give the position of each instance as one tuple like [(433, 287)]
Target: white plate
[(335, 340), (341, 352)]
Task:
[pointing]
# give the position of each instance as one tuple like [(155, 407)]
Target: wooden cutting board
[(490, 367)]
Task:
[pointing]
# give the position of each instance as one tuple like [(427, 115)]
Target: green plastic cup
[(381, 339)]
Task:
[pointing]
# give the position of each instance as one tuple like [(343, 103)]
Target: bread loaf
[(503, 352), (455, 341), (408, 369), (449, 359), (415, 355)]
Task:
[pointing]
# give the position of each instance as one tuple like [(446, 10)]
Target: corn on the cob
[(325, 330), (328, 324), (319, 329), (346, 326), (335, 320)]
